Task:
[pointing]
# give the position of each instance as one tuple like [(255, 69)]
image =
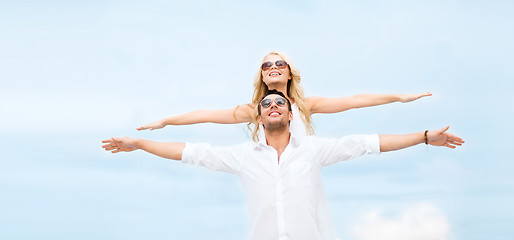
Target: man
[(281, 173)]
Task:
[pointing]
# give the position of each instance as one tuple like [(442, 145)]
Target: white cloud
[(423, 221)]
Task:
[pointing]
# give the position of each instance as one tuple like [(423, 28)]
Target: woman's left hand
[(411, 97)]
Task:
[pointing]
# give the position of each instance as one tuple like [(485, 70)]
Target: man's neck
[(278, 140)]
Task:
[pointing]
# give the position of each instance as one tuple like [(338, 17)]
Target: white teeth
[(274, 74)]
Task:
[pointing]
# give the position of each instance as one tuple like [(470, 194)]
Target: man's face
[(275, 116)]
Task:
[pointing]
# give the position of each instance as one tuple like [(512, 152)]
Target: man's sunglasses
[(280, 101), (279, 63)]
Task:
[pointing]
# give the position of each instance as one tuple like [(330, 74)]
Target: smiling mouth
[(274, 113), (274, 74)]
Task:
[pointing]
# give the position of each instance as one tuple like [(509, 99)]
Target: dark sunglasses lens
[(281, 63), (280, 101), (265, 103), (265, 66)]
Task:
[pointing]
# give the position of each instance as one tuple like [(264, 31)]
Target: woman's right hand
[(152, 126)]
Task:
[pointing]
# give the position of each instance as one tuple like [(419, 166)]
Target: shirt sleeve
[(226, 159), (330, 151)]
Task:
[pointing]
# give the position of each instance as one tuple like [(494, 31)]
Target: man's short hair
[(273, 91)]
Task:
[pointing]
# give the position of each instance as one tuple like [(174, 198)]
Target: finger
[(110, 148), (442, 130), (448, 145), (423, 95), (117, 150), (455, 138), (107, 145), (107, 141), (454, 142)]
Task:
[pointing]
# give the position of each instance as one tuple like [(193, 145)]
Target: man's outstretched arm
[(435, 137), (170, 150)]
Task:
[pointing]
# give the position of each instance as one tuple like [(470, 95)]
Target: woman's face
[(275, 75)]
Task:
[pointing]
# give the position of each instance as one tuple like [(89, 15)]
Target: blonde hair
[(294, 92)]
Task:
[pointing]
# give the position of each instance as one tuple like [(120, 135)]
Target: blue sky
[(74, 73)]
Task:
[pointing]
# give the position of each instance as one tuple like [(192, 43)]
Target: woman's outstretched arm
[(239, 114), (335, 105)]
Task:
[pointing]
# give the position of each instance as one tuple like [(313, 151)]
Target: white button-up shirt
[(285, 199)]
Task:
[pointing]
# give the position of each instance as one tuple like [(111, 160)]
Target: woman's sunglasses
[(265, 103), (279, 63)]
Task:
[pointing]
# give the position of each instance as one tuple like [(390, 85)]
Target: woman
[(278, 73)]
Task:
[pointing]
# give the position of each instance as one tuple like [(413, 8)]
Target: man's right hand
[(120, 144)]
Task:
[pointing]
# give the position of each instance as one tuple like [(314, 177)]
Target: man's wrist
[(139, 143)]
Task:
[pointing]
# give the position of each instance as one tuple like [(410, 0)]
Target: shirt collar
[(294, 140)]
